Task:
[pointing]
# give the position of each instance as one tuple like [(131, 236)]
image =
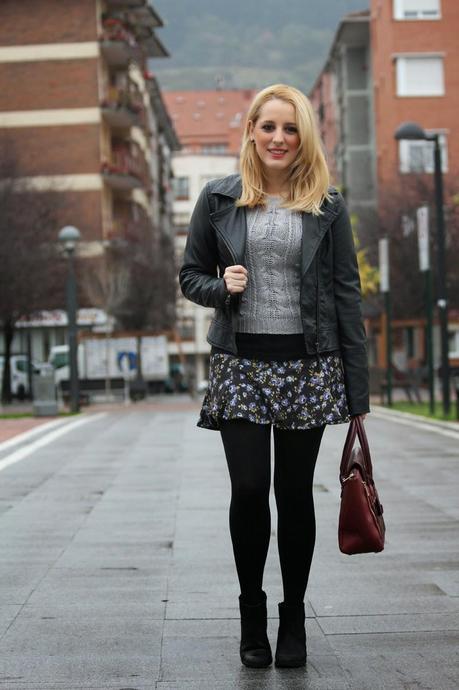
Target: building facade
[(415, 74), (396, 62), (343, 100), (87, 122)]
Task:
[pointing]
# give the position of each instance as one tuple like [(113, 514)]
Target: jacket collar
[(232, 223), (228, 186), (231, 186)]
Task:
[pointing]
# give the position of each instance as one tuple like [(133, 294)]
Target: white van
[(19, 380)]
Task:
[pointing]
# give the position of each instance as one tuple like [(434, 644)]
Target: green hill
[(244, 43)]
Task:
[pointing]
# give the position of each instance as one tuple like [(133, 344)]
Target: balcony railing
[(118, 44), (123, 230), (127, 168), (124, 4), (123, 107)]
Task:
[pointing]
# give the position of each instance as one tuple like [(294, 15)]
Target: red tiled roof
[(209, 117)]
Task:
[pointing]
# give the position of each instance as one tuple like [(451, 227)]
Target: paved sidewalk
[(117, 569)]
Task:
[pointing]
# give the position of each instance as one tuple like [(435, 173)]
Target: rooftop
[(209, 117)]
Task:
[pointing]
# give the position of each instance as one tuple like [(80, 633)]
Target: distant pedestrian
[(272, 251)]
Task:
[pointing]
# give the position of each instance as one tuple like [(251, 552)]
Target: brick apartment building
[(209, 125), (397, 62), (87, 120)]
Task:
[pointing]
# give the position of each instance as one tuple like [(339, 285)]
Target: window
[(416, 9), (420, 76), (418, 156), (214, 148), (181, 187)]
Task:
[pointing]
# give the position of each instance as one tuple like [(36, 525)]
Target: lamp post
[(69, 236), (413, 131)]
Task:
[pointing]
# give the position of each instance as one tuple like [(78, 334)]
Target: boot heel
[(291, 637), (255, 650)]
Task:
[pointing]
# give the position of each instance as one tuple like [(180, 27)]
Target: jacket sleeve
[(198, 275), (348, 302)]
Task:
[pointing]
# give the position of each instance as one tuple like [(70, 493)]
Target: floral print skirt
[(290, 394)]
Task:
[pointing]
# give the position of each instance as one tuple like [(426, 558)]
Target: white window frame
[(401, 77), (425, 149), (399, 12), (181, 187)]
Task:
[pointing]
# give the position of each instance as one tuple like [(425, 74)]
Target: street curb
[(383, 411), (40, 428)]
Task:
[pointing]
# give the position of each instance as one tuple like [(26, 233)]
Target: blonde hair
[(309, 176)]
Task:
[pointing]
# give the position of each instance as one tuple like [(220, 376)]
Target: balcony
[(129, 32), (122, 108), (127, 168), (118, 45), (123, 232)]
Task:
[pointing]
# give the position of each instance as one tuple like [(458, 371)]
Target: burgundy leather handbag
[(361, 527)]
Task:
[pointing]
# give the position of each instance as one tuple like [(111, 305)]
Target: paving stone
[(389, 623)]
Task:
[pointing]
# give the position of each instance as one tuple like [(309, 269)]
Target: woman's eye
[(267, 128), (291, 130)]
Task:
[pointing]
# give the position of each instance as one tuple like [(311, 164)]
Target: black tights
[(248, 453)]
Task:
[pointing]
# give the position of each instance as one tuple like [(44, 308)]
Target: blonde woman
[(271, 250)]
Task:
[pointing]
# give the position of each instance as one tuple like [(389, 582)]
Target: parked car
[(19, 379)]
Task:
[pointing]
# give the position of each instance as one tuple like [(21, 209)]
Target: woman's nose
[(278, 136)]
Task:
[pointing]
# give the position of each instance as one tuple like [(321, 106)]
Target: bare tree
[(400, 202), (135, 281), (31, 276)]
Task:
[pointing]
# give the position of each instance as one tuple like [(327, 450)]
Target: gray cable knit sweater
[(271, 301)]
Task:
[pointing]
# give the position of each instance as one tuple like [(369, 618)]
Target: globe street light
[(69, 236), (413, 131)]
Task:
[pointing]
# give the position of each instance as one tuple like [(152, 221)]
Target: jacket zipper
[(317, 305), (231, 253), (230, 250)]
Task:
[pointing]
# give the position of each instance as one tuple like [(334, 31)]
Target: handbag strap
[(356, 428)]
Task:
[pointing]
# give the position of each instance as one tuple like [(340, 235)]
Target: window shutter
[(417, 9), (420, 76)]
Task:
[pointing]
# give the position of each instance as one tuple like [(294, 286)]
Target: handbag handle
[(356, 428)]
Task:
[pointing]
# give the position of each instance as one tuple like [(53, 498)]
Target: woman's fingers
[(235, 278)]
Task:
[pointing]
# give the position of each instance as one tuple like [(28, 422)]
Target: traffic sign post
[(422, 215)]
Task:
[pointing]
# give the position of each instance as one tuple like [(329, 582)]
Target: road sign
[(423, 237), (384, 264)]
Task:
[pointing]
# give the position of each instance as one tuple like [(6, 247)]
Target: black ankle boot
[(255, 649), (291, 638)]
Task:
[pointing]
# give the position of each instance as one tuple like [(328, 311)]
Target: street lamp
[(413, 131), (69, 236)]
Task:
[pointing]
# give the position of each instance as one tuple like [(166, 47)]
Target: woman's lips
[(277, 153)]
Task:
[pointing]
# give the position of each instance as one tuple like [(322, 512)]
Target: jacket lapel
[(314, 229), (231, 224)]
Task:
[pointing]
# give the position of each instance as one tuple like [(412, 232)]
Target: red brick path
[(13, 427)]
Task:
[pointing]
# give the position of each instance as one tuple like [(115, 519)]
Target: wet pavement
[(117, 568)]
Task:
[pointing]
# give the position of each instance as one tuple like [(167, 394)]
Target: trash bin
[(44, 392)]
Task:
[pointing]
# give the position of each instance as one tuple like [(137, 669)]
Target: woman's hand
[(235, 278)]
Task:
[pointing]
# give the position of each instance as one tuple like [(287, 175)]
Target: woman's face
[(276, 135)]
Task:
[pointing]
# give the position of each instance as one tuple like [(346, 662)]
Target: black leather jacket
[(330, 284)]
